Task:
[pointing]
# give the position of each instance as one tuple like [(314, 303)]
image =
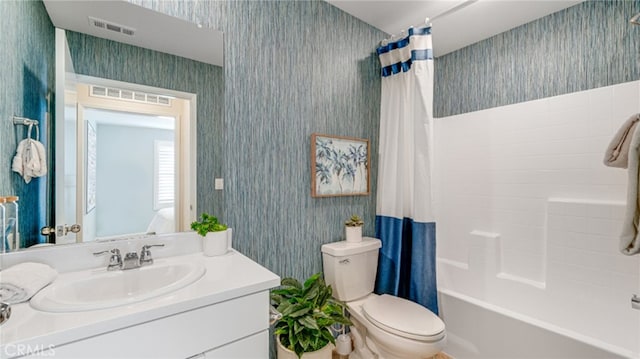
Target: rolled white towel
[(22, 281)]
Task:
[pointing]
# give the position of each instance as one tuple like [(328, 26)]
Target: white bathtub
[(476, 329)]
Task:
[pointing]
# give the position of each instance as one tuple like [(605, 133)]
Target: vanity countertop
[(229, 276)]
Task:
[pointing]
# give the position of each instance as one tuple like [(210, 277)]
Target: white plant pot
[(217, 243), (283, 353), (354, 234)]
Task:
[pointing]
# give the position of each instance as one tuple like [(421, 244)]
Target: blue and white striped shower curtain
[(404, 218)]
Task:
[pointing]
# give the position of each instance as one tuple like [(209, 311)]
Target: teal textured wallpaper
[(586, 46), (117, 61), (293, 68), (26, 79)]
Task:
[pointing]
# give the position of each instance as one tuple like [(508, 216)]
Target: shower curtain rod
[(427, 19), (402, 33)]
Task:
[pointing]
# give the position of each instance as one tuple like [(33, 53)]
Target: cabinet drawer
[(177, 336), (253, 347)]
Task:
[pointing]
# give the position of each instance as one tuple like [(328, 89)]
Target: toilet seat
[(403, 318)]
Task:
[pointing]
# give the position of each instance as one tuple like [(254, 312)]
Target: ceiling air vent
[(111, 26), (128, 95)]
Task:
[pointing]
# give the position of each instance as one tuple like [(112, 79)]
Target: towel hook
[(28, 122)]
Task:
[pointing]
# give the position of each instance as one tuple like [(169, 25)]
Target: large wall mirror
[(123, 145), (125, 159)]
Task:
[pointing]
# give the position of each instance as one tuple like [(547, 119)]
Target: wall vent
[(111, 26), (128, 95)]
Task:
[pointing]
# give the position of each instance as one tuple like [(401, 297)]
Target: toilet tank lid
[(344, 248)]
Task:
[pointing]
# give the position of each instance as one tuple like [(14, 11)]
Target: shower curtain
[(404, 218)]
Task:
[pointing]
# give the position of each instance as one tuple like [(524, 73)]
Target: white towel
[(30, 160), (22, 281), (617, 153), (629, 241)]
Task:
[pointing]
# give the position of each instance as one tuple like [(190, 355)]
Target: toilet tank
[(350, 268)]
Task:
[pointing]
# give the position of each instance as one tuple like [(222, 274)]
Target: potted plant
[(353, 228), (308, 311), (216, 235)]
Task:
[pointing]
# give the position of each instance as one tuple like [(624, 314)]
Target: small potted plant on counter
[(308, 311), (216, 236), (353, 228)]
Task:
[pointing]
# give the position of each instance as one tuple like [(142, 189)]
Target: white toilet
[(385, 327)]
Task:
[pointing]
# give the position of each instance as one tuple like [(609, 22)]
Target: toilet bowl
[(397, 332), (385, 327)]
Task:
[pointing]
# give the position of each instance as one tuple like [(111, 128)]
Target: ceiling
[(152, 29), (456, 23)]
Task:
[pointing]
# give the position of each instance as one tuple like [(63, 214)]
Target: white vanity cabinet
[(236, 328), (222, 315)]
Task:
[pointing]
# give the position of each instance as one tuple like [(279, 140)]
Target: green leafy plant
[(308, 311), (206, 224), (354, 221)]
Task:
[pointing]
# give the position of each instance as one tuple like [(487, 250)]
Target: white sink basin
[(99, 289)]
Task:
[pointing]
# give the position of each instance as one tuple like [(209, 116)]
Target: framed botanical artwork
[(339, 166)]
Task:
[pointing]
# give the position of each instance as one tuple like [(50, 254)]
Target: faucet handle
[(113, 252), (145, 254), (5, 312), (115, 260)]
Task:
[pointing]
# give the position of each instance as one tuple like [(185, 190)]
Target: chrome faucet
[(115, 259), (131, 259)]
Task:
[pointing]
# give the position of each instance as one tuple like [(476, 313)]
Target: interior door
[(66, 226)]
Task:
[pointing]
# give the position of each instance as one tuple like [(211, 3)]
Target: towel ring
[(37, 132)]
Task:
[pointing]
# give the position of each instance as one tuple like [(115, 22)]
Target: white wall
[(528, 181), (125, 169)]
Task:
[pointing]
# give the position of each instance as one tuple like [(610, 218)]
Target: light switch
[(218, 184)]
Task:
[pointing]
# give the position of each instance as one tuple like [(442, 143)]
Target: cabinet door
[(253, 347), (177, 336)]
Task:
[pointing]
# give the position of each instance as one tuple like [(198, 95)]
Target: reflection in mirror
[(131, 148), (123, 146), (129, 68), (126, 150)]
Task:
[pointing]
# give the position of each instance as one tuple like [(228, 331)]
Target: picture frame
[(339, 166)]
